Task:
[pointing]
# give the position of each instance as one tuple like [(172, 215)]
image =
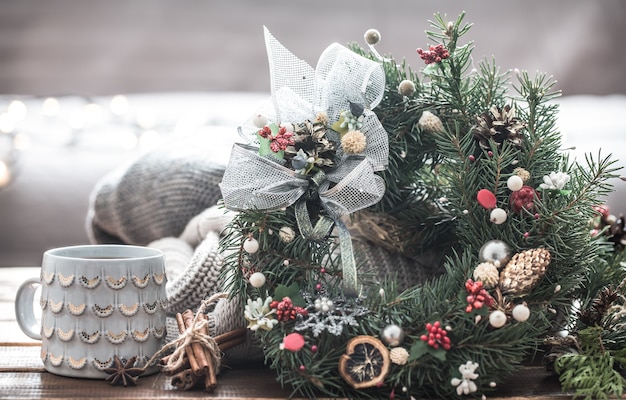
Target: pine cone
[(523, 271), (592, 315), (499, 125)]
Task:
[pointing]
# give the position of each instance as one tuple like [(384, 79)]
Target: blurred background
[(86, 86), (57, 47)]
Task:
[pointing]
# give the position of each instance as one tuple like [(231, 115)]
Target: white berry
[(251, 245), (497, 319), (257, 279), (259, 120), (514, 183), (521, 312), (498, 216)]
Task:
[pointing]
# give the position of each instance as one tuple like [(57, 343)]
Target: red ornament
[(523, 199), (486, 199), (293, 342)]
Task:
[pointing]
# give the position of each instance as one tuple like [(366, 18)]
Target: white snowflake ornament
[(465, 384)]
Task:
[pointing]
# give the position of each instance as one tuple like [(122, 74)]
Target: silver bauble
[(393, 335), (496, 252)]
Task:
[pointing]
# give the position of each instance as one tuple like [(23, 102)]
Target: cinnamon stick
[(210, 381), (197, 349), (231, 339), (170, 372), (185, 380), (193, 362)]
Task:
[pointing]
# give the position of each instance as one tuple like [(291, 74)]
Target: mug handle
[(24, 308)]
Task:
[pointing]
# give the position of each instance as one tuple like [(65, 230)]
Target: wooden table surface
[(22, 375)]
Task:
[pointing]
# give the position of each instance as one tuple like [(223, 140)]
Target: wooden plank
[(22, 376)]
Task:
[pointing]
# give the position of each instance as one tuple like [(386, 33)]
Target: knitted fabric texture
[(153, 197)]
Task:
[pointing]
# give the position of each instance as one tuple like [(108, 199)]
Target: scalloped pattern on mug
[(65, 281), (47, 277), (141, 282), (139, 336), (65, 336), (43, 303), (116, 283), (48, 331), (159, 278), (100, 365), (129, 311), (77, 364), (116, 338), (89, 283), (76, 310), (151, 308), (55, 307), (163, 303), (43, 355), (89, 338), (158, 332), (55, 360), (103, 312)]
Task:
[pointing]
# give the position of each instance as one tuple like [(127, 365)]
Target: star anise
[(123, 373)]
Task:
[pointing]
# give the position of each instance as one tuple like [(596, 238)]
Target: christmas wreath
[(459, 173)]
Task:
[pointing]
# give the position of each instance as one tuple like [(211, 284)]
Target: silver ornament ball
[(393, 335), (496, 252)]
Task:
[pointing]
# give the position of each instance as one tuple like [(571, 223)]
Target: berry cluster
[(280, 141), (434, 54), (285, 310), (523, 199), (437, 336), (477, 296)]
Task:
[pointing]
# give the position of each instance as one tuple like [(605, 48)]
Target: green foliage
[(591, 377), (431, 186)]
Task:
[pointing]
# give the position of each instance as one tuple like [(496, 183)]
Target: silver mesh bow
[(298, 93)]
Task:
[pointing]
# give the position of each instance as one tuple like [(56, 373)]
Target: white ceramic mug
[(97, 302)]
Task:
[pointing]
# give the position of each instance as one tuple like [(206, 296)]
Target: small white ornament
[(498, 216), (259, 120), (497, 319), (399, 356), (257, 279), (324, 305), (556, 180), (286, 234), (521, 312), (557, 288), (466, 385), (251, 245), (514, 183), (393, 335)]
